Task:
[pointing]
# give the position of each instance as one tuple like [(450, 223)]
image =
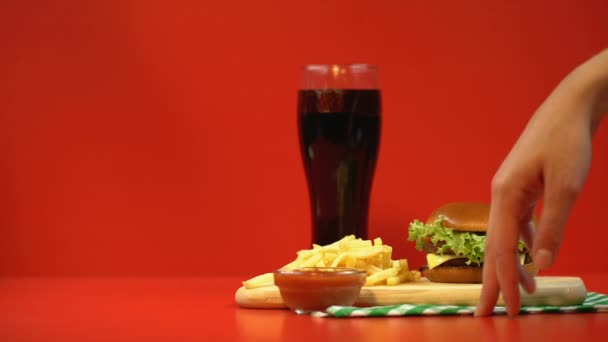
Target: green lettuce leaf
[(465, 244)]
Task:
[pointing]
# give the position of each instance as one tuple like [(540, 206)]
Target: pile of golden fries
[(373, 257)]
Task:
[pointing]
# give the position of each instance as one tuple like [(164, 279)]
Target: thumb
[(550, 230)]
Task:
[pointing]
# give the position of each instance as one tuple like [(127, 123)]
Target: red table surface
[(202, 309)]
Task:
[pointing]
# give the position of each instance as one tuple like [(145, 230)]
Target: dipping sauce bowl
[(308, 289)]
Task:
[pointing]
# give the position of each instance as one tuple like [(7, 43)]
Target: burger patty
[(460, 262), (429, 247)]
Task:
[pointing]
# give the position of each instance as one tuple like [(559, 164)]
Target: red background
[(159, 138)]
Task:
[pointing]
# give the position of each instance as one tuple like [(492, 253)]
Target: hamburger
[(454, 238)]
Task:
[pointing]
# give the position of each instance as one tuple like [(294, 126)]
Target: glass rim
[(325, 66)]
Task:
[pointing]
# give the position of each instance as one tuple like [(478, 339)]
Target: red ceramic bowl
[(309, 289)]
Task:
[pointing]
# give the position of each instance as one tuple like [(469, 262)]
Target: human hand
[(550, 160)]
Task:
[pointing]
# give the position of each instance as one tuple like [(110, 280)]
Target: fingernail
[(543, 259)]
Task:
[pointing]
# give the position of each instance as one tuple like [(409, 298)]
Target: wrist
[(592, 81), (585, 90)]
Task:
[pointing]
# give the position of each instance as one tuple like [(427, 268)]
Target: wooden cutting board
[(555, 291)]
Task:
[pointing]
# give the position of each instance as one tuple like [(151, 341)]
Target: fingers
[(510, 214), (559, 199), (526, 225), (509, 219), (501, 259), (489, 288), (506, 230), (526, 280)]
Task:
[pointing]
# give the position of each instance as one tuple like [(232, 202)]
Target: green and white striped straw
[(595, 302)]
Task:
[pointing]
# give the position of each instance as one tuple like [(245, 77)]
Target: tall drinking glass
[(339, 126)]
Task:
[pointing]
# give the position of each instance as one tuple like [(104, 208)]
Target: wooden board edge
[(249, 298), (268, 297), (574, 294)]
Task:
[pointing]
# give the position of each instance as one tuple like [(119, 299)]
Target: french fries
[(373, 257)]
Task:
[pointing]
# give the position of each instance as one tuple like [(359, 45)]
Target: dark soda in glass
[(339, 140)]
